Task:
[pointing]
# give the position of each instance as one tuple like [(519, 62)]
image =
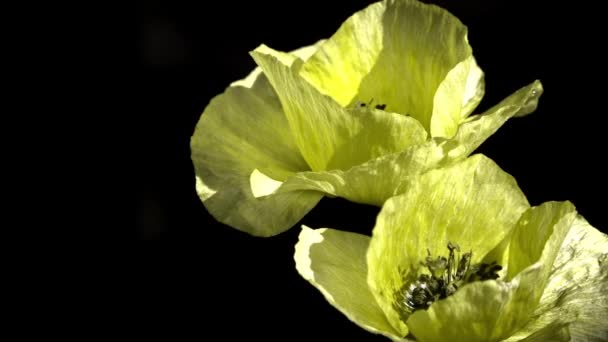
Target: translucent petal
[(477, 128), (242, 130), (396, 52), (538, 237), (577, 290), (556, 332), (328, 135), (375, 181), (334, 262), (470, 315), (303, 53), (472, 203), (495, 310), (456, 97)]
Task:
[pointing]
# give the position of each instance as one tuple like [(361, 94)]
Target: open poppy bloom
[(388, 96), (461, 256)]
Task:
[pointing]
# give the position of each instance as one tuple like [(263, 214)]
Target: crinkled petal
[(348, 56), (242, 130), (333, 261), (456, 97), (484, 311), (472, 203), (303, 53), (555, 332), (396, 52), (375, 181), (328, 135), (477, 128), (495, 310), (576, 293), (469, 315), (538, 237)]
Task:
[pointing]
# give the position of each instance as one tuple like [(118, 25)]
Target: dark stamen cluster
[(445, 276)]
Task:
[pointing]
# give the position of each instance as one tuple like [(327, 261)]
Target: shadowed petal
[(328, 135), (577, 288), (334, 262), (396, 52), (473, 203), (241, 131)]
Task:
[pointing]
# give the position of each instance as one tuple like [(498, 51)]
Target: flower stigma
[(445, 276)]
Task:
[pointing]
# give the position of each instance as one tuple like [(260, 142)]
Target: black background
[(198, 277)]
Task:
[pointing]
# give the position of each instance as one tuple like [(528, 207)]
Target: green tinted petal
[(470, 315), (484, 311), (538, 237), (553, 334), (477, 128), (535, 243), (334, 262), (577, 290), (303, 53), (456, 97), (495, 310), (396, 52), (348, 56), (380, 133), (306, 52), (236, 206), (242, 130), (481, 311), (328, 135), (472, 203), (556, 332), (375, 181)]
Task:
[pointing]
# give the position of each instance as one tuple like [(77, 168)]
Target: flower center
[(445, 276)]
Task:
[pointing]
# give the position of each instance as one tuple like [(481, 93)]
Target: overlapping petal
[(473, 204), (576, 293), (375, 181), (292, 130), (494, 310), (334, 262), (243, 130), (404, 49), (328, 135), (554, 282)]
